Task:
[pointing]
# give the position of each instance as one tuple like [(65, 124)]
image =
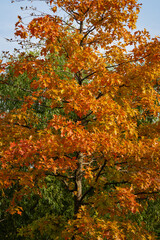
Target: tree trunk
[(78, 184)]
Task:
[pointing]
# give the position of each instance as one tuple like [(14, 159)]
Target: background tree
[(95, 145), (52, 199)]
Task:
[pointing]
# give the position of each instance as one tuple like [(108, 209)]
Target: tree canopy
[(86, 114)]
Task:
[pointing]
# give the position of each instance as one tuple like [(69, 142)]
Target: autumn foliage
[(99, 141)]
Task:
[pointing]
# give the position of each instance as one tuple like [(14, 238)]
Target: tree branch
[(97, 177), (135, 60), (15, 86)]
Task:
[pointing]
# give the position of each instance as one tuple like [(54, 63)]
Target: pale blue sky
[(149, 18)]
